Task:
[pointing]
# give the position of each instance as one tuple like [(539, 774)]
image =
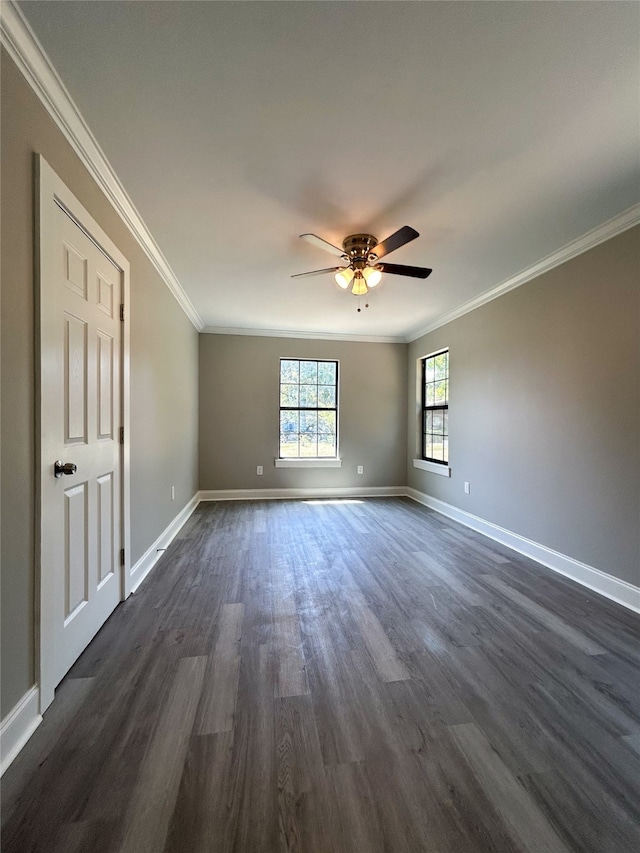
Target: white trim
[(622, 222), (151, 556), (30, 57), (316, 336), (289, 494), (299, 462), (432, 467), (18, 726), (617, 590)]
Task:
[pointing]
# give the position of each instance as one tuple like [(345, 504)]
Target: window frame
[(309, 461), (424, 408)]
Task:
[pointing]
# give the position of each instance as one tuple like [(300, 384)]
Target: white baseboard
[(288, 494), (151, 556), (18, 726), (605, 584)]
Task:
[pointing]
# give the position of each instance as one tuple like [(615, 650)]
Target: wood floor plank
[(633, 741), (529, 826), (55, 726), (292, 676), (550, 620), (586, 821), (206, 812), (254, 754), (154, 796), (448, 578), (466, 539), (303, 812), (384, 656), (219, 694), (354, 820)]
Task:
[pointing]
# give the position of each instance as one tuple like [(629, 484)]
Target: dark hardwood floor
[(340, 677)]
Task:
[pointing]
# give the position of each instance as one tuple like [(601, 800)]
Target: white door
[(81, 414)]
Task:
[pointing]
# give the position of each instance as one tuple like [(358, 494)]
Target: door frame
[(51, 192)]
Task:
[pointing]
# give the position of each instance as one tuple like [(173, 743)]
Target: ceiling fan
[(360, 254)]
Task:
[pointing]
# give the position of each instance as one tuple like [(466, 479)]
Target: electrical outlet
[(259, 469), (173, 493), (467, 488), (360, 469)]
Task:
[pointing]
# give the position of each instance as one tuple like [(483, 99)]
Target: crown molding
[(29, 55), (614, 226), (316, 336)]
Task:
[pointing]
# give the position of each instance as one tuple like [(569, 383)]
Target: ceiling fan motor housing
[(358, 248)]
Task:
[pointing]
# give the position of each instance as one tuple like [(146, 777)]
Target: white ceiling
[(500, 131)]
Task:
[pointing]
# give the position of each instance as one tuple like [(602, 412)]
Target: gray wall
[(545, 409), (164, 374), (239, 412)]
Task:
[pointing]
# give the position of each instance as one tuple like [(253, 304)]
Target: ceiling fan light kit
[(362, 252), (372, 276), (359, 285), (344, 276)]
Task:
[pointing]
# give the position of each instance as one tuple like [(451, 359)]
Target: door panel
[(75, 369), (105, 385), (75, 270), (76, 568), (106, 556)]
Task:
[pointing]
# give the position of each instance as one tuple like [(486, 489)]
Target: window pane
[(289, 444), (309, 395), (429, 374), (289, 371), (438, 422), (428, 446), (446, 450), (326, 395), (441, 392), (437, 449), (288, 422), (428, 420), (430, 397), (326, 422), (327, 373), (441, 366), (446, 422), (288, 395), (308, 445), (308, 422), (326, 445), (308, 372)]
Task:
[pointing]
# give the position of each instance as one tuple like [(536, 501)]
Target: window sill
[(310, 462), (432, 467)]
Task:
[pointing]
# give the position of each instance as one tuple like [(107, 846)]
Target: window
[(308, 409), (435, 407)]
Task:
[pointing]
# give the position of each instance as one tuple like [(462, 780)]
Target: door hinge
[(122, 312), (122, 556), (121, 435)]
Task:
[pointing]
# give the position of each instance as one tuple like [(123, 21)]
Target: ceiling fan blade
[(403, 235), (401, 269), (317, 272), (323, 244)]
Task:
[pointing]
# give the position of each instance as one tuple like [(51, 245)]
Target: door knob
[(60, 468)]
